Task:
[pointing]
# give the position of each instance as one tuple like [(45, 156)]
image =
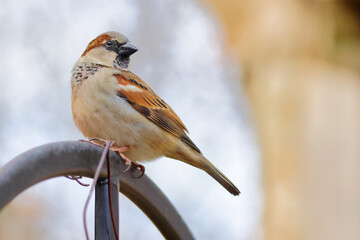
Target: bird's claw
[(140, 168), (129, 164), (120, 151)]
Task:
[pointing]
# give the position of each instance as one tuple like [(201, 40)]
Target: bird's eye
[(109, 43)]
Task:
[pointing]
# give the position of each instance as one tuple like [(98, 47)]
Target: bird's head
[(110, 49)]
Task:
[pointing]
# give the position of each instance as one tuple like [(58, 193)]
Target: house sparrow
[(112, 103)]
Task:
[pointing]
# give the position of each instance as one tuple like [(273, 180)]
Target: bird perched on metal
[(112, 103)]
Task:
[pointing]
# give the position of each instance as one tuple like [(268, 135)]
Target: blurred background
[(270, 91)]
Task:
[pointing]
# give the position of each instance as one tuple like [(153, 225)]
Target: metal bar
[(81, 159), (103, 225), (157, 207)]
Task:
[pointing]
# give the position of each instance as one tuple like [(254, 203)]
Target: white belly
[(109, 117)]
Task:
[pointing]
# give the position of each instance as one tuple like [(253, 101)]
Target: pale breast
[(99, 112)]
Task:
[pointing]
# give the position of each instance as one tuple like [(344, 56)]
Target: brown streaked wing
[(144, 100)]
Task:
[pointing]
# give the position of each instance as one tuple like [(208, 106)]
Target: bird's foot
[(128, 162), (76, 178), (141, 168), (120, 151)]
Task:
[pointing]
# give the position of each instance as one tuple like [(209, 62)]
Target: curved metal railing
[(81, 159)]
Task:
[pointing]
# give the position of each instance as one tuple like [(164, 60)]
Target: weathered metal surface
[(80, 158)]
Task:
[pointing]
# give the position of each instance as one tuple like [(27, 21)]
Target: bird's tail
[(199, 161), (208, 167)]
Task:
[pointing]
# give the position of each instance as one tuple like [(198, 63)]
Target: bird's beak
[(127, 49)]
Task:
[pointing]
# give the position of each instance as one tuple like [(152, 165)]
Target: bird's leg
[(120, 151), (128, 162)]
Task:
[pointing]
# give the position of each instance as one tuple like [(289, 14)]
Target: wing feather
[(144, 100)]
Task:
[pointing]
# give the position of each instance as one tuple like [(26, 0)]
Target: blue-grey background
[(183, 57)]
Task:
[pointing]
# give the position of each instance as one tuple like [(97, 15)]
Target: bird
[(110, 102)]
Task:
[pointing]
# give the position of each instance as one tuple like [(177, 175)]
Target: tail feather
[(219, 176), (199, 161)]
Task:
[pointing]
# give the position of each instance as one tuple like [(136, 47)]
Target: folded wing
[(144, 100)]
